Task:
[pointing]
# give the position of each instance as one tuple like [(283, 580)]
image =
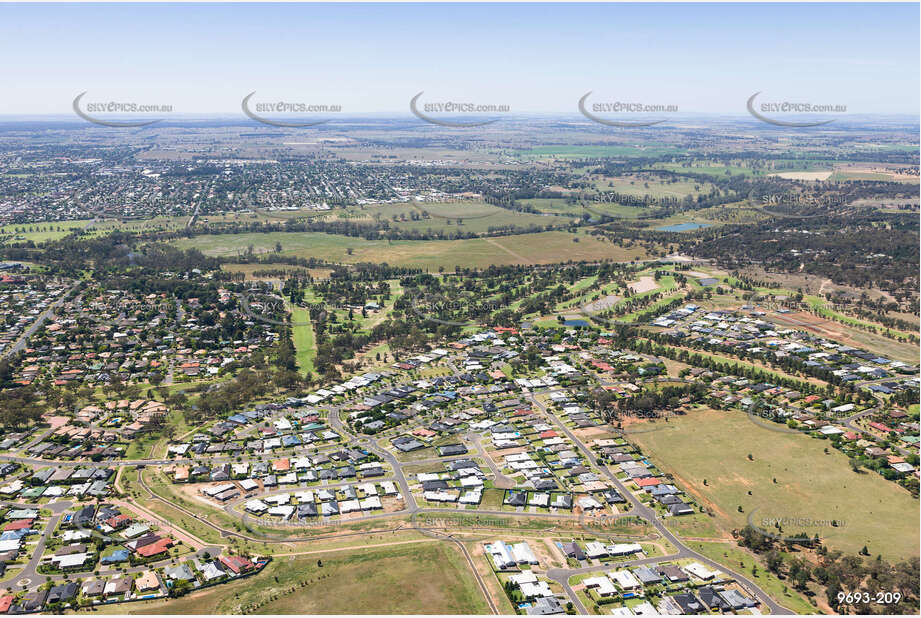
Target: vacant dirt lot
[(645, 284)]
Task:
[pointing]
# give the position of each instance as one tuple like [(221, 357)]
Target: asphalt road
[(411, 509), (36, 323), (641, 510)]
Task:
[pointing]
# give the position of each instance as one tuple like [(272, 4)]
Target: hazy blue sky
[(534, 57)]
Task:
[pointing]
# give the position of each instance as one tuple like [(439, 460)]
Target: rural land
[(537, 367)]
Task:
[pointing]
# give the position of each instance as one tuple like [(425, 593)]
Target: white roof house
[(211, 571), (284, 511), (471, 496), (10, 545), (70, 561), (625, 580), (349, 506), (525, 577), (645, 609), (256, 506), (700, 571), (602, 586), (388, 488), (593, 549), (624, 549), (531, 590), (501, 555), (523, 554)]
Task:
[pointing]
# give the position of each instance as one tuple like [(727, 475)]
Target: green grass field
[(707, 169), (560, 206), (417, 578), (540, 248), (302, 335), (40, 232), (478, 218), (715, 445), (450, 217), (845, 175), (591, 151), (654, 187)]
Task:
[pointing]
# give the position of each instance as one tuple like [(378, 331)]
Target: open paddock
[(538, 248), (789, 476)]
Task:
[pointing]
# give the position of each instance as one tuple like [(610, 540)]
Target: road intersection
[(411, 509)]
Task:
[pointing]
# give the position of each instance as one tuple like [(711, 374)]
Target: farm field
[(809, 483), (563, 207), (845, 174), (591, 151), (539, 248), (707, 169), (415, 578), (476, 218), (691, 216), (460, 217), (642, 185), (818, 175)]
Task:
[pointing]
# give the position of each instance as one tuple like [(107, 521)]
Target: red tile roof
[(155, 548), (237, 564)]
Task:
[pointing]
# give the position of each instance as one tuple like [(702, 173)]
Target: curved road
[(412, 509)]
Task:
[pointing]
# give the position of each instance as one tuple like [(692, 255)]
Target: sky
[(373, 58)]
